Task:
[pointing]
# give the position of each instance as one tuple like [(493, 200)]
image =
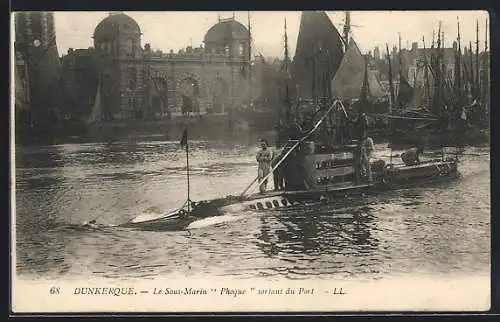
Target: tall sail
[(353, 77), (348, 80), (376, 90), (319, 48), (405, 92), (95, 115)]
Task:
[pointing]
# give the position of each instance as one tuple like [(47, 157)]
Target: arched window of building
[(132, 83), (226, 49), (241, 49), (134, 44), (128, 46), (103, 46)]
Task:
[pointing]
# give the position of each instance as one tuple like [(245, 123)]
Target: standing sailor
[(367, 148), (366, 145), (264, 157), (278, 175), (361, 158)]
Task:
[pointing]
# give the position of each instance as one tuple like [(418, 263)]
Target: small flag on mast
[(184, 138)]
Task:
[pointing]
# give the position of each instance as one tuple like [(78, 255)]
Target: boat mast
[(391, 97), (444, 77), (249, 55), (347, 29), (458, 81), (471, 76), (391, 87), (400, 64), (365, 90), (185, 143), (437, 73), (478, 85), (313, 83), (287, 78), (427, 88), (485, 68), (399, 49), (486, 37), (231, 68)]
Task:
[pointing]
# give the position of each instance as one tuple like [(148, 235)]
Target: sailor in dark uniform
[(278, 175), (361, 130)]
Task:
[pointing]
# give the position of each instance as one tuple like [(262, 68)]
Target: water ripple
[(58, 187)]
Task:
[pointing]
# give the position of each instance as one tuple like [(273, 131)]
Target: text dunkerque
[(113, 291)]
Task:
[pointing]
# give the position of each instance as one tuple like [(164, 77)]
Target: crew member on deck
[(362, 160), (278, 175), (296, 132), (367, 148), (412, 156), (264, 157), (362, 125)]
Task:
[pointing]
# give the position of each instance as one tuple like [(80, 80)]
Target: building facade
[(136, 82), (37, 60)]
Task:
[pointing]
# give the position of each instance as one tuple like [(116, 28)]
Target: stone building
[(413, 60), (37, 60), (136, 82)]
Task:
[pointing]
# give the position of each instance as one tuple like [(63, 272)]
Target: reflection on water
[(323, 242), (443, 228)]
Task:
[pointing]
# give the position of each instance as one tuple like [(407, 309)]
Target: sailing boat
[(315, 171), (358, 88), (353, 81), (436, 113), (405, 90), (96, 113), (319, 50), (411, 107)]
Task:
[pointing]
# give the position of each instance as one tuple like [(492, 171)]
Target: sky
[(176, 30)]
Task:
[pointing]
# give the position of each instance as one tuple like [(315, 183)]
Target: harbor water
[(438, 229)]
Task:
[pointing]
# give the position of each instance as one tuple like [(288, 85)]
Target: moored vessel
[(314, 172), (320, 160)]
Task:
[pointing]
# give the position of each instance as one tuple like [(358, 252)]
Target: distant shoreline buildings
[(135, 82), (413, 58), (121, 79)]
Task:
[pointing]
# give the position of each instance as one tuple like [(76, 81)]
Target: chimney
[(414, 46)]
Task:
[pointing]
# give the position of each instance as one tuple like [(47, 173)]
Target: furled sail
[(319, 50), (95, 115)]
